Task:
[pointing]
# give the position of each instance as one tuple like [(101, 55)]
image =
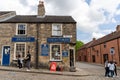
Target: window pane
[(55, 52), (59, 33), (21, 29), (56, 30), (54, 33), (58, 27), (20, 49)]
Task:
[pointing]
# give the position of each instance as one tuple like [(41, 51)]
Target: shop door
[(6, 55), (105, 57), (71, 57)]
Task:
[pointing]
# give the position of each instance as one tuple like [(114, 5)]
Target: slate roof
[(4, 12), (36, 19), (109, 37), (86, 45)]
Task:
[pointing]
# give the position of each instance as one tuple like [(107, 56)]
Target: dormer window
[(21, 29)]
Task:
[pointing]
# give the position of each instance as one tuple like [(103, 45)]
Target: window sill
[(56, 36), (55, 61)]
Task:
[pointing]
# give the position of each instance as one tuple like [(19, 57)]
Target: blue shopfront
[(20, 45)]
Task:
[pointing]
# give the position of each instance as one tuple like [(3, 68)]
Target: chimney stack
[(94, 39), (118, 28), (41, 9)]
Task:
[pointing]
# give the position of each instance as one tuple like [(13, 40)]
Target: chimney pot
[(94, 39)]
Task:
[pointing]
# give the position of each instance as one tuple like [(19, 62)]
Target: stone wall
[(8, 30)]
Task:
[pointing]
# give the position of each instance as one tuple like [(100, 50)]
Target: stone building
[(102, 49), (48, 38)]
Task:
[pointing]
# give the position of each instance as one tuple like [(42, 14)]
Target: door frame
[(105, 57), (2, 53), (73, 55)]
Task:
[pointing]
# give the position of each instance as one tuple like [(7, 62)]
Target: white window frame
[(15, 49), (51, 52), (17, 28), (53, 25)]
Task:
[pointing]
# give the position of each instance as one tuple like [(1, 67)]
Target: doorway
[(93, 58), (6, 55), (105, 57), (71, 57)]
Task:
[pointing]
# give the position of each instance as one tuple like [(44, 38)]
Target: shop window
[(55, 54), (21, 29), (57, 30), (20, 49)]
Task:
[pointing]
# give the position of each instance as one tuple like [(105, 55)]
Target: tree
[(78, 44)]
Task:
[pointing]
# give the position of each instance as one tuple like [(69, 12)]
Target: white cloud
[(89, 17), (118, 12), (102, 33), (32, 2), (16, 5), (97, 35), (113, 20), (107, 31)]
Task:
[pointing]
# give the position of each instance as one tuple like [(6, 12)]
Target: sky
[(95, 18)]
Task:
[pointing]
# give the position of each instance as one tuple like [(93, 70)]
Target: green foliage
[(78, 44)]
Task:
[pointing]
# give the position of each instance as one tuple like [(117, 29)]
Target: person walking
[(20, 62), (115, 70), (106, 68), (28, 59)]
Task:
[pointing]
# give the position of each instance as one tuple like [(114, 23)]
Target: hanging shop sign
[(23, 39), (44, 50), (64, 40), (112, 51), (65, 53)]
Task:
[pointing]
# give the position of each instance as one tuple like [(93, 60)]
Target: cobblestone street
[(95, 73)]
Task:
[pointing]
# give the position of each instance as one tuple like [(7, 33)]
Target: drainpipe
[(90, 54), (100, 54), (118, 49), (37, 45)]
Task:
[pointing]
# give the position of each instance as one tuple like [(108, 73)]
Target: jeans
[(106, 71), (111, 73), (28, 64)]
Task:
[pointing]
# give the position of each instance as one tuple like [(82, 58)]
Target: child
[(20, 62)]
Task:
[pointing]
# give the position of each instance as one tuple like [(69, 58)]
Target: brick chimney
[(41, 9), (118, 28), (94, 39)]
